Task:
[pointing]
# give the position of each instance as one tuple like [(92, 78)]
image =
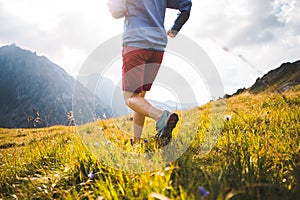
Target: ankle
[(159, 116), (136, 140)]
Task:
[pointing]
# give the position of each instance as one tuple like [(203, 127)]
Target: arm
[(184, 7), (117, 8), (183, 16)]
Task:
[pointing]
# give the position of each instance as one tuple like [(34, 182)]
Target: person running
[(144, 43)]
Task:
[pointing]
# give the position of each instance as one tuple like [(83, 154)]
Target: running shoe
[(165, 126)]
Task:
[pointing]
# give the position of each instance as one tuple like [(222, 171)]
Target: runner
[(144, 43)]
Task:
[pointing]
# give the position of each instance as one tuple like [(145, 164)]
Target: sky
[(244, 38)]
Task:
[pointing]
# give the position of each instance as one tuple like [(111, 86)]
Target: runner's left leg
[(138, 122), (142, 108)]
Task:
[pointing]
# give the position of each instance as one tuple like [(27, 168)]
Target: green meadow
[(254, 155)]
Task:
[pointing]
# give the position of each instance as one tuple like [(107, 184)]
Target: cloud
[(11, 26), (59, 30), (14, 29), (237, 22), (289, 14), (244, 38)]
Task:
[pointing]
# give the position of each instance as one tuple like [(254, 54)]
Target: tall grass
[(256, 156)]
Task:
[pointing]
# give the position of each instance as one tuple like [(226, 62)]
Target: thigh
[(151, 69), (133, 69)]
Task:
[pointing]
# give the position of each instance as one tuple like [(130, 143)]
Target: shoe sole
[(172, 120), (170, 124)]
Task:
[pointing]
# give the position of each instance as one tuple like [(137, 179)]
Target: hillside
[(245, 148), (255, 157), (36, 92), (278, 80)]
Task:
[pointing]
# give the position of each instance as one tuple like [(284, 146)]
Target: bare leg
[(138, 122), (142, 108)]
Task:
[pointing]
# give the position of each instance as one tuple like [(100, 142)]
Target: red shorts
[(140, 67)]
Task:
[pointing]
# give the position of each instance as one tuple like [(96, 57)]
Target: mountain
[(36, 92), (95, 83), (105, 89), (279, 80)]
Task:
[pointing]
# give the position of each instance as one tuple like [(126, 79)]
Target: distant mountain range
[(107, 92), (279, 80), (37, 93)]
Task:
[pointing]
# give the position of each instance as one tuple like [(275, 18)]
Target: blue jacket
[(144, 20)]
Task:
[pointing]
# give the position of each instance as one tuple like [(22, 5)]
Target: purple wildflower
[(203, 192), (228, 117), (91, 175), (145, 141)]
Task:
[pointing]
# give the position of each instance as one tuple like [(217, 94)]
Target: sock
[(138, 130)]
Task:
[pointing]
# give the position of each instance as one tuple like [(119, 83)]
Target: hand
[(170, 34)]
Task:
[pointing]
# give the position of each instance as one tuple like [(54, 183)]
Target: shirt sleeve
[(184, 7), (117, 8)]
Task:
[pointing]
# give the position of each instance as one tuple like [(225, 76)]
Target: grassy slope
[(256, 157)]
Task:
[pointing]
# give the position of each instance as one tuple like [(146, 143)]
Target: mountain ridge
[(278, 80), (37, 92)]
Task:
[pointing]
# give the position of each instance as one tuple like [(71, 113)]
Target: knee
[(127, 98), (131, 98), (127, 101)]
